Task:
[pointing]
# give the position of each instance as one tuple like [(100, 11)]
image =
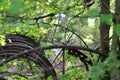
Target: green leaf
[(3, 68), (2, 2), (106, 18), (50, 78), (30, 79), (2, 40), (93, 13), (72, 24), (84, 21), (117, 29), (15, 6)]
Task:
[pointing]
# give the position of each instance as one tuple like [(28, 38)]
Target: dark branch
[(73, 47), (70, 31), (40, 17), (51, 47)]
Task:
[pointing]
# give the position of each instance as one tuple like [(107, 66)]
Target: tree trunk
[(104, 28), (116, 21), (115, 39)]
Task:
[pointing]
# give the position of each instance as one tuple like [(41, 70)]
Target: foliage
[(60, 22), (107, 68), (107, 18), (2, 40)]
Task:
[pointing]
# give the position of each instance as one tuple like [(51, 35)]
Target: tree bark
[(115, 38), (104, 28)]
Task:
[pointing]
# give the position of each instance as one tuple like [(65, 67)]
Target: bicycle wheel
[(37, 66)]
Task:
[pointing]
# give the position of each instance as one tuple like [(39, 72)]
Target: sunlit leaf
[(14, 63), (2, 40)]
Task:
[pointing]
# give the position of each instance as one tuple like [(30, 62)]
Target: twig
[(70, 31)]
